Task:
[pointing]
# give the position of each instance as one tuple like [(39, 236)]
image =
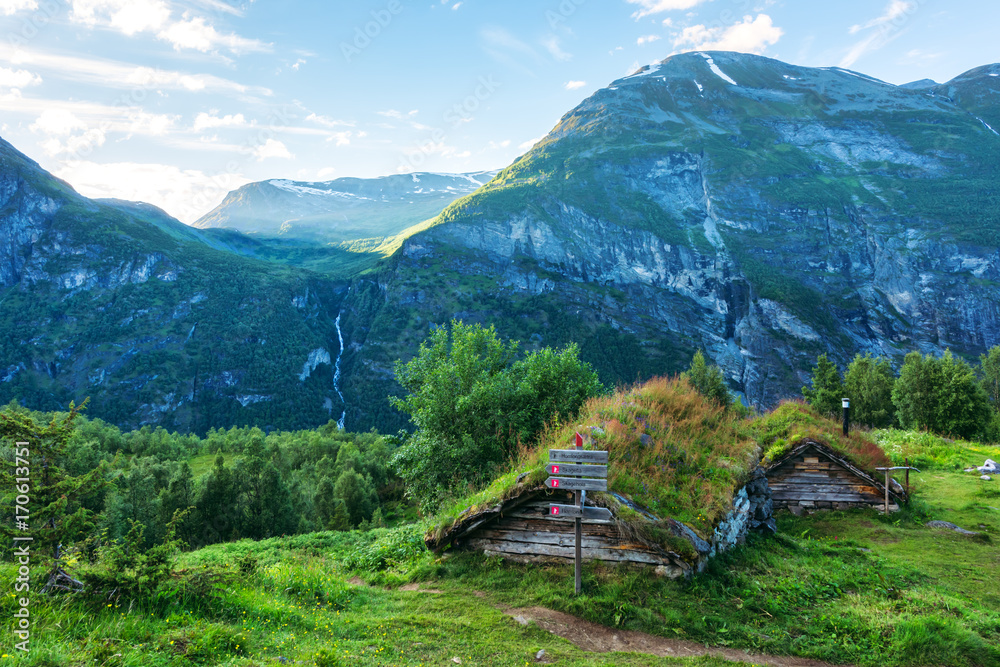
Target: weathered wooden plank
[(822, 465), (556, 519), (568, 552), (807, 478), (575, 455), (573, 469), (821, 488), (538, 537), (832, 497)]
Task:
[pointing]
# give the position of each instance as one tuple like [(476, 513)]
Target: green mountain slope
[(761, 211), (119, 302)]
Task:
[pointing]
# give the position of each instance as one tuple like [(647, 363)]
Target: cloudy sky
[(176, 102)]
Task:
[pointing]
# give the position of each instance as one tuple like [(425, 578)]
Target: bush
[(472, 406), (940, 395)]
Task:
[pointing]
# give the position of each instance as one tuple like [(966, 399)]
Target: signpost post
[(570, 469)]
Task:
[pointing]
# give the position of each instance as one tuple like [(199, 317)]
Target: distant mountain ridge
[(760, 211), (345, 209)]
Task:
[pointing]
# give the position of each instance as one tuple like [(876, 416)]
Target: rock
[(521, 620), (457, 660), (990, 466), (540, 655), (947, 525), (986, 478)]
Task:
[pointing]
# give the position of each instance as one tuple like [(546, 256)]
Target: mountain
[(151, 319), (342, 210), (761, 211)]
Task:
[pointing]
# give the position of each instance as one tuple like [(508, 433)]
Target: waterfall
[(336, 373)]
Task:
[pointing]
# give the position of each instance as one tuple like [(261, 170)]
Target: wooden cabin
[(520, 529), (812, 476)]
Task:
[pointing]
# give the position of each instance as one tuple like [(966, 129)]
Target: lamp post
[(846, 403)]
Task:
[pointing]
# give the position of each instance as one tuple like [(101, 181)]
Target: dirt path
[(600, 639)]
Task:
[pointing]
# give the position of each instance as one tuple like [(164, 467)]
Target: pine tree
[(708, 380), (869, 381), (827, 387), (56, 518)]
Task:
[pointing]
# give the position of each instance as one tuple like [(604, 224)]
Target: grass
[(928, 451), (204, 463), (845, 587), (669, 450)]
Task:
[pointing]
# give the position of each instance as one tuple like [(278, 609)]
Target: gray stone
[(540, 655), (986, 478), (947, 525)]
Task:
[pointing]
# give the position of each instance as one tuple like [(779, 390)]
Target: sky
[(177, 102)]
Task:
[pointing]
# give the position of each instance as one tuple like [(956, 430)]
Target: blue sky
[(178, 102)]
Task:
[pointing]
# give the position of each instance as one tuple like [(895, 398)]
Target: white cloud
[(184, 193), (128, 16), (752, 35), (573, 85), (205, 121), (116, 74), (529, 143), (456, 5), (649, 7), (554, 48), (340, 138), (647, 39), (889, 24), (66, 133), (58, 122), (893, 11), (195, 33), (272, 148), (12, 81), (399, 115), (8, 7), (144, 123), (326, 121), (497, 145), (326, 173)]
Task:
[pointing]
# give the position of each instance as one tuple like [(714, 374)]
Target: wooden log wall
[(811, 480), (524, 534)]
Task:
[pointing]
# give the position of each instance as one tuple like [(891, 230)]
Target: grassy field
[(843, 587)]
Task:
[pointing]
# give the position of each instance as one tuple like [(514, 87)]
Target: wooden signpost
[(569, 470)]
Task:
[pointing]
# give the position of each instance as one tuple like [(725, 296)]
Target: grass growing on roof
[(670, 451), (793, 421)]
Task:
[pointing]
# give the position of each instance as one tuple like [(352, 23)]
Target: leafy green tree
[(472, 405), (868, 383), (989, 375), (827, 387), (708, 380), (357, 494), (56, 513), (216, 503), (264, 500), (940, 395)]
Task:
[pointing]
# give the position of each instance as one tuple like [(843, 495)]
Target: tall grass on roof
[(794, 421)]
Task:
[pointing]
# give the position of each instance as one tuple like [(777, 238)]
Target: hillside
[(761, 211), (150, 319)]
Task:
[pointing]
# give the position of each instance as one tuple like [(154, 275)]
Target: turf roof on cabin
[(670, 451), (793, 422)]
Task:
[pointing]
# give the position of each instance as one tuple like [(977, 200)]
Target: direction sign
[(571, 469), (572, 455), (576, 484), (573, 511)]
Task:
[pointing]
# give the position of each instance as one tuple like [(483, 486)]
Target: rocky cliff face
[(120, 303), (761, 211)]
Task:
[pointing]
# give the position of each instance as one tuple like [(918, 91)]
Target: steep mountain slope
[(342, 210), (119, 302), (761, 211)]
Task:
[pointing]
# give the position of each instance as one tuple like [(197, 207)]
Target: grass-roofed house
[(811, 466), (684, 483)]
